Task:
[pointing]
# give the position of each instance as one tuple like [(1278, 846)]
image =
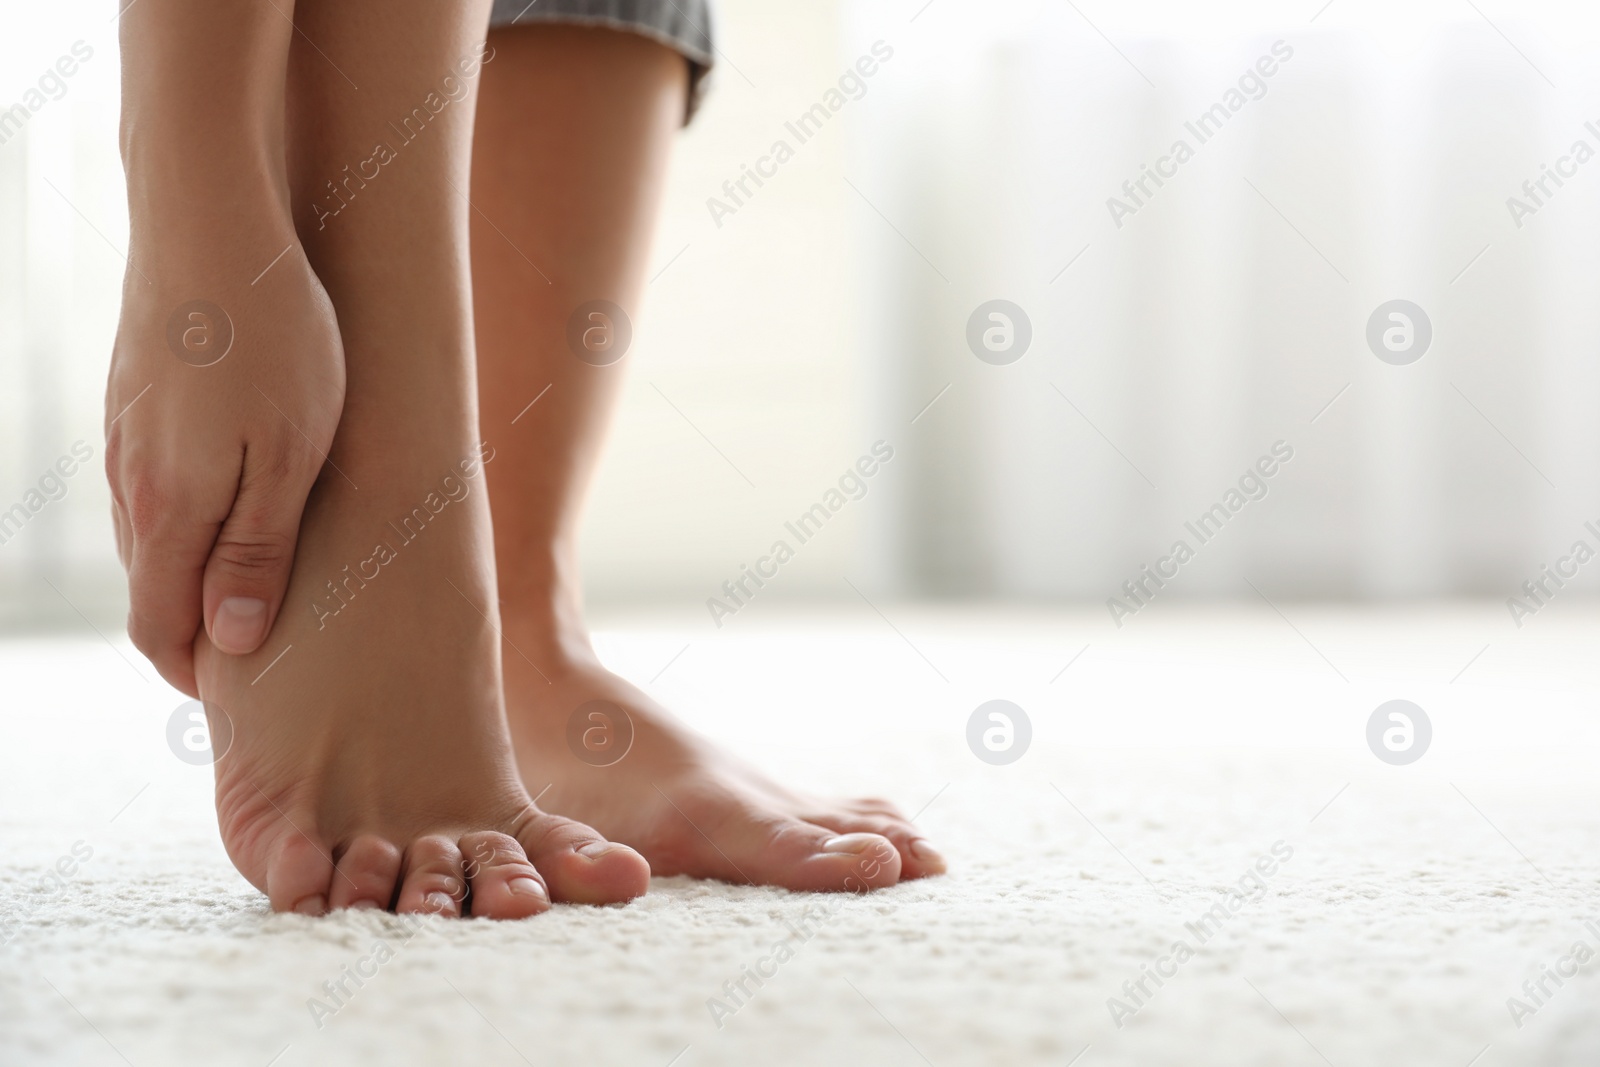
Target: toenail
[(923, 852), (441, 903), (239, 625), (363, 905), (855, 844), (313, 905), (596, 849), (528, 887)]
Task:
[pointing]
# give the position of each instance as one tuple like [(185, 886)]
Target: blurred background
[(1338, 156), (1174, 340)]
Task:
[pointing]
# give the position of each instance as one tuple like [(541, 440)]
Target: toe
[(298, 876), (809, 857), (579, 865), (504, 884), (874, 806), (433, 882), (366, 874), (918, 858), (727, 838)]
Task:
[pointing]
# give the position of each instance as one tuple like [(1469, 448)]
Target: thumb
[(248, 571)]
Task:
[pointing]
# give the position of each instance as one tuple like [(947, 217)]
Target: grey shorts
[(682, 25)]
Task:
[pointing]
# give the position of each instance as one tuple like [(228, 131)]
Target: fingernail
[(854, 844), (926, 855), (239, 625), (313, 905), (595, 849), (438, 903), (528, 887)]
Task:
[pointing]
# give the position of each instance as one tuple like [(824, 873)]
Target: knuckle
[(146, 500), (139, 634), (504, 872), (378, 851), (432, 852), (251, 554), (149, 636), (492, 850), (288, 462), (161, 499), (111, 457), (551, 833)]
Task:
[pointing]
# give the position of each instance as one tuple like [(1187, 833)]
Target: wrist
[(225, 205)]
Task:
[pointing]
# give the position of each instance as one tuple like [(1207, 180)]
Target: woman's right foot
[(369, 763)]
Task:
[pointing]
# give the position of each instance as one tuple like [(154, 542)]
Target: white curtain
[(1229, 310), (1167, 358), (63, 232)]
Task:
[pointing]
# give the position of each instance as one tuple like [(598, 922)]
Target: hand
[(223, 399)]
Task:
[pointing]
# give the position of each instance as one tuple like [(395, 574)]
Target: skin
[(585, 119), (208, 478), (378, 752), (371, 765)]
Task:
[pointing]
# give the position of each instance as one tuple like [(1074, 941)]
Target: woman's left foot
[(593, 747)]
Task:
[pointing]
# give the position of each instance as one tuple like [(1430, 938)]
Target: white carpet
[(1179, 750)]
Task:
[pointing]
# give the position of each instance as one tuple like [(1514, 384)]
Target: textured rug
[(1199, 859)]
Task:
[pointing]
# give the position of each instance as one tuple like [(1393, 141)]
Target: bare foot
[(688, 807), (584, 118), (370, 766)]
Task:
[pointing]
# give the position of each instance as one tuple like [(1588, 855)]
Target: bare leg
[(371, 764), (574, 128)]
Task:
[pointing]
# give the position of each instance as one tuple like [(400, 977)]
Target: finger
[(119, 510), (124, 535), (249, 565), (171, 539)]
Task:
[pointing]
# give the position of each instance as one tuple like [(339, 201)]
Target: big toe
[(298, 876), (918, 858), (813, 858), (739, 842), (578, 865)]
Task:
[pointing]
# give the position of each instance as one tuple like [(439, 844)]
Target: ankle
[(203, 110), (543, 617)]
